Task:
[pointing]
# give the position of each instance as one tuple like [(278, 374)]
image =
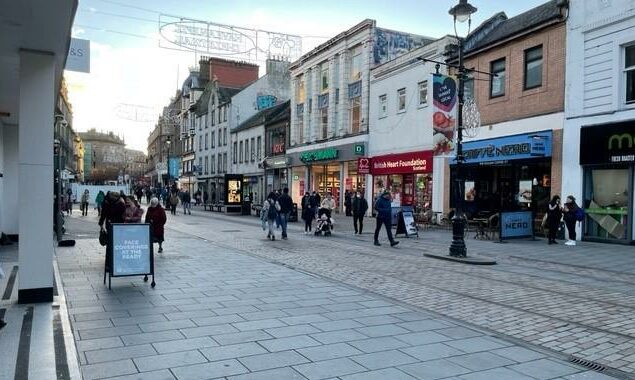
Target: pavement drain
[(588, 364)]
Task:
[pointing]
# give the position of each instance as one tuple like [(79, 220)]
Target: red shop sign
[(363, 165), (402, 163)]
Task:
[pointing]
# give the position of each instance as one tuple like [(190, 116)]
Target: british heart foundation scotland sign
[(444, 106)]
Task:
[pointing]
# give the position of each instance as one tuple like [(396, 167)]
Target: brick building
[(513, 161)]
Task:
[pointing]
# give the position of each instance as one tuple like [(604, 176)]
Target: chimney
[(276, 65), (203, 65)]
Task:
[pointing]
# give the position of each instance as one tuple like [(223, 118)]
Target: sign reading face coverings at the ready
[(131, 249)]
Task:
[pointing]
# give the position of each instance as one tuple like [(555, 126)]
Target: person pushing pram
[(324, 220)]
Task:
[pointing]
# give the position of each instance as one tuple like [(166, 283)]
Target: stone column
[(332, 129), (308, 83), (365, 85), (293, 128), (35, 176), (343, 84), (315, 112)]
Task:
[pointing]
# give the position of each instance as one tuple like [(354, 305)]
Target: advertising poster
[(234, 191), (470, 191), (524, 191), (444, 111), (131, 249)]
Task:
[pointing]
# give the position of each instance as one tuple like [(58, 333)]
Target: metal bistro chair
[(493, 226)]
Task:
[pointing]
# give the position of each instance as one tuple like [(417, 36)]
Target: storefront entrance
[(326, 179)]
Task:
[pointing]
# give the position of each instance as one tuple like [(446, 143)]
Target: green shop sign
[(319, 155)]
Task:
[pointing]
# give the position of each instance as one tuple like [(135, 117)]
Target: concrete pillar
[(35, 177), (10, 180), (344, 72), (332, 128)]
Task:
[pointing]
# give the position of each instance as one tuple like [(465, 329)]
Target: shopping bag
[(103, 237)]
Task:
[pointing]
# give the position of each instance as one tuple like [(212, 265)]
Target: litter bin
[(246, 208), (293, 217)]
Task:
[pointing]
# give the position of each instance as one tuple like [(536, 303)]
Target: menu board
[(131, 249)]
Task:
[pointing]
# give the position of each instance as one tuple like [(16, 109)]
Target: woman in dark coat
[(308, 214), (569, 215), (156, 217), (554, 215)]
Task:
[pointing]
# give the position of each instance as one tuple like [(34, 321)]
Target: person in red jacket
[(156, 217)]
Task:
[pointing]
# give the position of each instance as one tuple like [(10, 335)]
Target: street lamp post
[(461, 12)]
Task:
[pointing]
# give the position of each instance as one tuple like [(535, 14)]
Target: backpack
[(272, 212), (579, 214)]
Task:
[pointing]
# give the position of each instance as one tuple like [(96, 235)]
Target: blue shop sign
[(517, 147), (516, 224)]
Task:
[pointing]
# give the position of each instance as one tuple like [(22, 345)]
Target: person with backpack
[(572, 213), (269, 214)]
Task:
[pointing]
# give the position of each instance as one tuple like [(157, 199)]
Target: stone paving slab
[(361, 335)]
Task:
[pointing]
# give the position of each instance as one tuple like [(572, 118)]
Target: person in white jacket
[(328, 202)]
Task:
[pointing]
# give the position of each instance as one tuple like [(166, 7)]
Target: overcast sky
[(132, 77)]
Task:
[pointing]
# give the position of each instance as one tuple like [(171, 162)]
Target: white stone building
[(400, 145), (329, 107), (599, 134)]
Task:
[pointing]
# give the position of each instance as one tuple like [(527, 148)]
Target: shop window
[(629, 73), (533, 67), (401, 100), (383, 106), (497, 83), (423, 93), (607, 203), (324, 122), (355, 111)]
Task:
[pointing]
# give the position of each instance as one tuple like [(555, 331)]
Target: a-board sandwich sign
[(518, 224), (131, 250)]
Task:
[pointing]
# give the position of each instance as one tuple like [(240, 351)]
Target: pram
[(324, 224)]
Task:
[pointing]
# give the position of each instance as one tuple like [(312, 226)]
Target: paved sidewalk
[(219, 312)]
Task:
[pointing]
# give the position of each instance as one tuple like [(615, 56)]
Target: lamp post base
[(457, 248)]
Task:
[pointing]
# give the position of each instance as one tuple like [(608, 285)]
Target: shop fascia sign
[(510, 147), (613, 143), (319, 155), (415, 162), (621, 142)]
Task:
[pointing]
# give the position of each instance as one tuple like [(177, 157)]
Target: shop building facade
[(275, 163), (599, 149), (514, 159), (330, 104), (400, 147)]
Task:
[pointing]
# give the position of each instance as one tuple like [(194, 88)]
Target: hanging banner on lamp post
[(444, 111)]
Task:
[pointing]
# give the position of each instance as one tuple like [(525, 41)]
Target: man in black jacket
[(360, 206), (286, 206)]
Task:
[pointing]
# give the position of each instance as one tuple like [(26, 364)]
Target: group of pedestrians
[(276, 209), (570, 213)]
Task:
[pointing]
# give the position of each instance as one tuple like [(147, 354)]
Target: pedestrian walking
[(308, 214), (570, 215), (84, 202), (205, 197), (139, 193), (157, 218), (360, 206), (328, 203), (69, 201), (286, 206), (269, 213), (174, 202), (187, 203), (134, 212), (554, 215), (384, 217), (99, 200), (348, 203)]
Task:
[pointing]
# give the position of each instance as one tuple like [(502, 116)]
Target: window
[(200, 143), (247, 150), (225, 136), (468, 86), (212, 138), (224, 113), (356, 64), (206, 121), (219, 138), (220, 110), (206, 142), (401, 100), (206, 165), (383, 106), (324, 74), (199, 168), (355, 112), (533, 67), (225, 162), (212, 162), (324, 122), (629, 71), (300, 129), (220, 164), (259, 148), (240, 154), (235, 152), (423, 93), (253, 150), (497, 84), (213, 120), (299, 93)]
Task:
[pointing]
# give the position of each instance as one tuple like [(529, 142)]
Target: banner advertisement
[(444, 112)]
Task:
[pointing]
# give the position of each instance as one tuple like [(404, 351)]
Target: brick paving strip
[(218, 312)]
